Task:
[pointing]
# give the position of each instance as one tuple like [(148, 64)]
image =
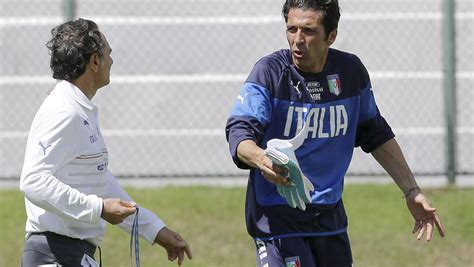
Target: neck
[(86, 86), (318, 67)]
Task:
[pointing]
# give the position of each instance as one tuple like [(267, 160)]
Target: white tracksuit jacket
[(65, 177)]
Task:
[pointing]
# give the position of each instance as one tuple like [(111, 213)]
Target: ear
[(94, 62), (332, 37)]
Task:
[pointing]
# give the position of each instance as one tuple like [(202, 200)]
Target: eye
[(291, 29), (310, 31)]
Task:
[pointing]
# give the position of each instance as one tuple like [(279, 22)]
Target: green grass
[(211, 220)]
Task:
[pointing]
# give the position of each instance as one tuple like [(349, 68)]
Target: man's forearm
[(390, 157)]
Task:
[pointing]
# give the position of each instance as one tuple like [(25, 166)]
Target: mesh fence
[(179, 64)]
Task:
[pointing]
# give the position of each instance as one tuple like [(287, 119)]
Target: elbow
[(30, 185), (24, 185)]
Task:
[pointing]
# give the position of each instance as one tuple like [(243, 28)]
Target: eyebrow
[(305, 27)]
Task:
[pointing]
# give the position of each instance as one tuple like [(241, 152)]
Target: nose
[(299, 37)]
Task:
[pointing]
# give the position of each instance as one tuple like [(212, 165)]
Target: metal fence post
[(449, 61), (69, 9)]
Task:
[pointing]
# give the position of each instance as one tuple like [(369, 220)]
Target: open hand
[(174, 244), (425, 216)]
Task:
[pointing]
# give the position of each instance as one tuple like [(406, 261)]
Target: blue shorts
[(314, 251)]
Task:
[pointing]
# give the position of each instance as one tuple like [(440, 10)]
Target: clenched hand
[(115, 210)]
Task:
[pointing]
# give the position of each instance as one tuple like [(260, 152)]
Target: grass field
[(211, 219)]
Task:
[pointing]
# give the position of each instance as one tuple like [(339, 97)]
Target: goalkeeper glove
[(281, 152), (298, 193)]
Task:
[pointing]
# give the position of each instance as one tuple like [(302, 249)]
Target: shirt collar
[(76, 93)]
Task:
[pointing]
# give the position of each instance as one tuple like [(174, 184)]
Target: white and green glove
[(282, 153)]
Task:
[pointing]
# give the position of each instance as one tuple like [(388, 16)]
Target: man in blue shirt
[(328, 91)]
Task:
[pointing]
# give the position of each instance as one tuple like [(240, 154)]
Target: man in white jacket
[(69, 193)]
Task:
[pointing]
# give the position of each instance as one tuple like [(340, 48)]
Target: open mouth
[(298, 54)]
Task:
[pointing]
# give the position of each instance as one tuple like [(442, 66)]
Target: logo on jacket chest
[(334, 84), (324, 122), (92, 134), (314, 89), (102, 166), (93, 138)]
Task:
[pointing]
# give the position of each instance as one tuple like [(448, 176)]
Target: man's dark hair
[(71, 46), (330, 9)]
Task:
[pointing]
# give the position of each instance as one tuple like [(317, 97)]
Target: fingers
[(127, 208), (422, 230), (175, 245), (417, 226), (128, 204), (274, 173), (425, 217), (180, 257), (429, 230), (115, 210), (178, 253), (184, 246), (439, 225), (426, 227), (187, 250), (275, 177), (172, 255), (284, 181), (280, 175)]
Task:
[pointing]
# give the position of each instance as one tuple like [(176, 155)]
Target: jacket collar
[(75, 93)]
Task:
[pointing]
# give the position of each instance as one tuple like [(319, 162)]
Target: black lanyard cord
[(134, 243)]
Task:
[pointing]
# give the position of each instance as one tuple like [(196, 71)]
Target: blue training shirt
[(339, 107)]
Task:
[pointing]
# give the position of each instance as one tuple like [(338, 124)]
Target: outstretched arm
[(390, 157)]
